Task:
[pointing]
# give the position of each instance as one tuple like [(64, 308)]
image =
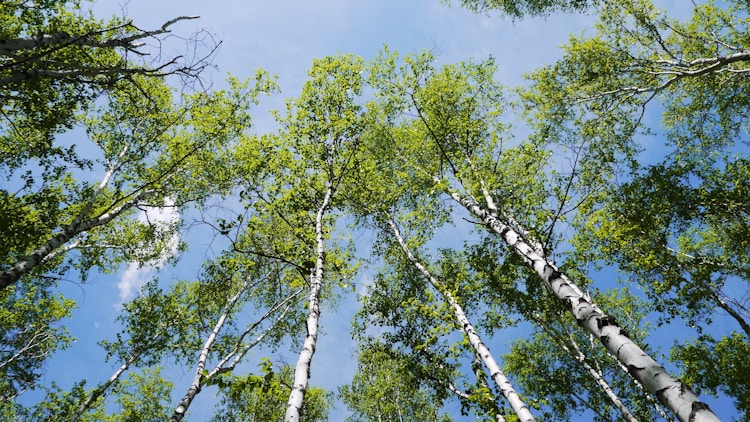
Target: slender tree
[(456, 127), (315, 152), (506, 387), (154, 155), (674, 226)]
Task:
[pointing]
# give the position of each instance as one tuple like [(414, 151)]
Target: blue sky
[(284, 37)]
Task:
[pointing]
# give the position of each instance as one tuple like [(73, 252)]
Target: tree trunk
[(571, 348), (24, 266), (674, 394), (476, 365), (200, 378), (302, 370), (515, 401)]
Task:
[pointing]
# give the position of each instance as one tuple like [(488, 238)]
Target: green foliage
[(416, 328), (385, 388), (38, 107), (717, 365), (522, 8), (58, 58), (681, 231), (141, 397), (263, 397), (30, 331), (549, 367), (398, 137), (599, 90), (59, 403)]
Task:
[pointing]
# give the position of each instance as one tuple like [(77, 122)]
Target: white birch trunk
[(514, 399), (675, 395), (302, 370), (597, 377), (571, 347), (200, 379), (22, 267), (99, 391), (479, 373)]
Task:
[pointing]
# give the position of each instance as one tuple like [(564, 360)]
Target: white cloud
[(135, 276), (365, 283), (132, 279)]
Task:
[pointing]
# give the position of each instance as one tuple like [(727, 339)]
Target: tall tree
[(480, 348), (248, 299), (153, 155), (675, 227), (462, 156), (565, 373), (315, 152)]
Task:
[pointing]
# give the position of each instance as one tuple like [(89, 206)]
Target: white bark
[(99, 391), (302, 370), (22, 267), (571, 347), (675, 395), (91, 39), (200, 379), (479, 373), (505, 386), (240, 351)]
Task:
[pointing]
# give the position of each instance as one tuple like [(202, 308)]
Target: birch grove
[(589, 225)]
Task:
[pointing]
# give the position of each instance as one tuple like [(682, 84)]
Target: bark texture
[(302, 370), (481, 349), (675, 395)]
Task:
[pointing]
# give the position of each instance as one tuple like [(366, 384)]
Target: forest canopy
[(576, 246)]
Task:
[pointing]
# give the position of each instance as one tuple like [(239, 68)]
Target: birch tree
[(57, 57), (459, 130), (154, 155), (504, 385), (315, 151), (417, 324), (565, 371), (402, 323), (674, 227), (255, 302)]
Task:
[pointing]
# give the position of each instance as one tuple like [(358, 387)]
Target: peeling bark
[(671, 392)]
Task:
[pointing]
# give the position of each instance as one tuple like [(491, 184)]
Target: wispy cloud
[(135, 276)]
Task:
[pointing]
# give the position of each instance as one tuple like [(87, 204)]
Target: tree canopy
[(520, 250)]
